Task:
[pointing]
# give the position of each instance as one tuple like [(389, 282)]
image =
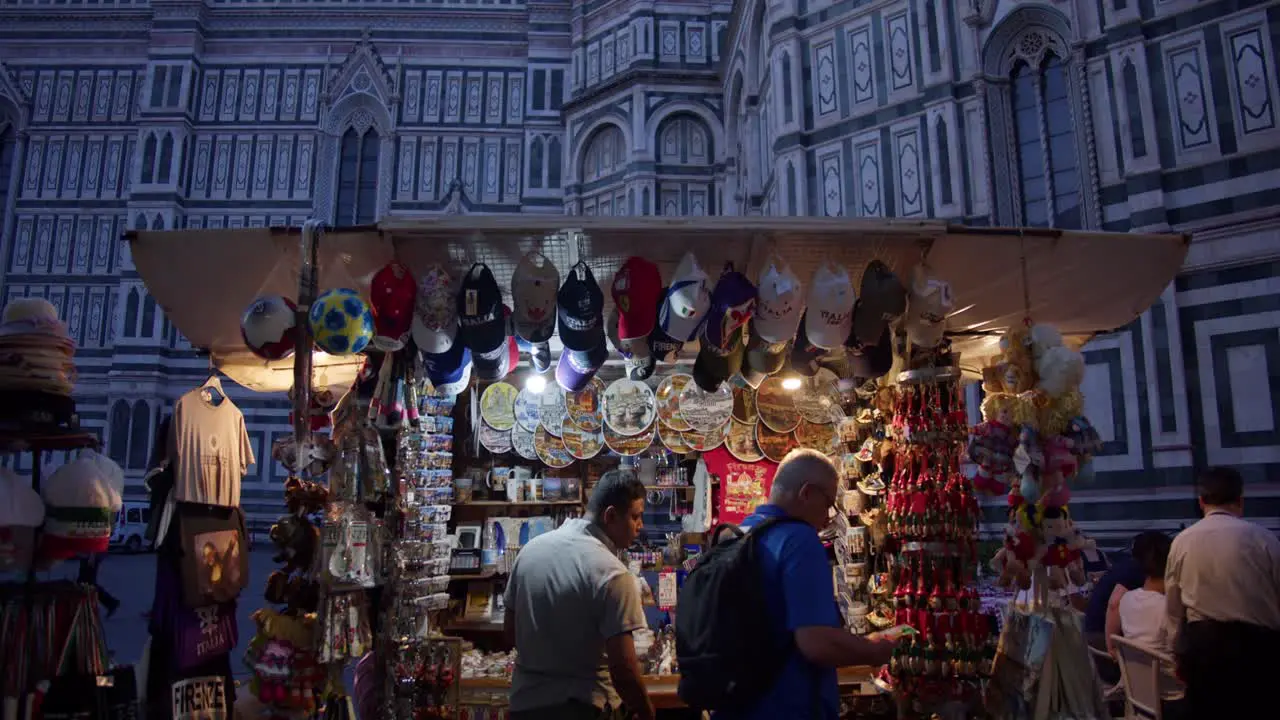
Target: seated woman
[(1140, 614)]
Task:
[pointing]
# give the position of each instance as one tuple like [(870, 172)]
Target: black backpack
[(723, 663)]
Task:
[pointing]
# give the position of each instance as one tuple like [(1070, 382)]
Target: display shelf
[(473, 626)]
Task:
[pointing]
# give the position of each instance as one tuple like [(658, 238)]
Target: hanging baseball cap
[(483, 328), (686, 301), (78, 502), (576, 367), (392, 293), (497, 363), (779, 305), (663, 347), (829, 315), (580, 306), (636, 356), (761, 357), (533, 297), (881, 300), (716, 364), (449, 371), (637, 288), (870, 360), (435, 317), (732, 302), (928, 304), (805, 356)]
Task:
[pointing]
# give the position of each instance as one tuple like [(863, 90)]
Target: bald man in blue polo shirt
[(800, 595)]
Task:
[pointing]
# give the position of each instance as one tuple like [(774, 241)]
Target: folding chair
[(1147, 674), (1109, 692)]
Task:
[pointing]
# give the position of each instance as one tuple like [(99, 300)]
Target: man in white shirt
[(1222, 590)]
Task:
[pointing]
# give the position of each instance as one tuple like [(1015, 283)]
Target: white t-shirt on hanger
[(210, 449)]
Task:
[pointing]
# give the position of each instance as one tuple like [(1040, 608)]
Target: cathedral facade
[(1154, 115)]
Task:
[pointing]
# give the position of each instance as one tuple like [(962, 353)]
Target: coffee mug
[(463, 487), (515, 489), (497, 479)]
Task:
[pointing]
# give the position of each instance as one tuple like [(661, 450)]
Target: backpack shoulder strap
[(759, 528)]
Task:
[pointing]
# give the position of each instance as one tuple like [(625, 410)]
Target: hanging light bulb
[(535, 384)]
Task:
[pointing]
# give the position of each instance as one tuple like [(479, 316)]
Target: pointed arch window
[(535, 163), (788, 111), (1048, 169), (1133, 103), (166, 159), (944, 162), (139, 436), (118, 444), (131, 313), (358, 178), (140, 222), (553, 162), (605, 155), (149, 159), (148, 326), (7, 145), (792, 190)]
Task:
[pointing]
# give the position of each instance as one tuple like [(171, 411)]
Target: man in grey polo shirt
[(571, 606)]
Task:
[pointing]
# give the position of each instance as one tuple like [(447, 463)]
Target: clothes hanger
[(212, 386)]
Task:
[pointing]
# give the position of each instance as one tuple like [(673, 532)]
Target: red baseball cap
[(636, 288), (392, 293)]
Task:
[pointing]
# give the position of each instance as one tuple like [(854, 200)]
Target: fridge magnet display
[(706, 411), (527, 411), (741, 441), (551, 450), (776, 406), (585, 406), (668, 398), (498, 405), (629, 407)]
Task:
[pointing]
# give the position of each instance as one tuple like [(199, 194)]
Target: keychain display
[(349, 547), (931, 516), (344, 630), (425, 680)]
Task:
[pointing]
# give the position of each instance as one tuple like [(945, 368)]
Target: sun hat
[(479, 307), (21, 512), (533, 297)]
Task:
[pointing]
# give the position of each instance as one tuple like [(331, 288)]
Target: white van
[(130, 533)]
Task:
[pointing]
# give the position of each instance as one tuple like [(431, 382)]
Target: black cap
[(716, 365), (482, 325), (580, 310), (881, 300)]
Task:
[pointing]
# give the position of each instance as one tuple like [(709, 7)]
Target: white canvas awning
[(1081, 282)]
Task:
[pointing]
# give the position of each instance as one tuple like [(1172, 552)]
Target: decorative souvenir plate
[(815, 398), (527, 410), (494, 440), (551, 450), (706, 411), (551, 409), (522, 442), (582, 444), (669, 401), (775, 445), (710, 440), (776, 406), (819, 436), (498, 405), (584, 406), (741, 442), (628, 444), (674, 440), (744, 405), (629, 407)]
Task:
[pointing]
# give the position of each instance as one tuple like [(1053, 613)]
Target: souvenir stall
[(51, 637), (499, 366)]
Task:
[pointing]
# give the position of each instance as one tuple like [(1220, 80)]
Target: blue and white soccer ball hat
[(341, 322)]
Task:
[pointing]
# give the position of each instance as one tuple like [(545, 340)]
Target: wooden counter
[(662, 688)]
